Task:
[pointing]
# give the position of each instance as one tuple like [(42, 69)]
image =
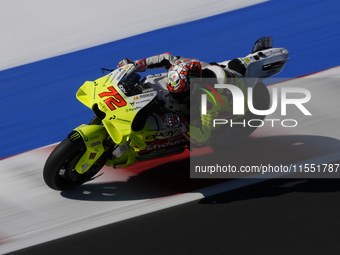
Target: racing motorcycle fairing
[(113, 100)]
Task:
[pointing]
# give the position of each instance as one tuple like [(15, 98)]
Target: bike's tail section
[(264, 61), (263, 43)]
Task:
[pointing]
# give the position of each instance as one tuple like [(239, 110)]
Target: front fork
[(93, 138)]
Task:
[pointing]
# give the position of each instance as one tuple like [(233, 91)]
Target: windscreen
[(129, 84)]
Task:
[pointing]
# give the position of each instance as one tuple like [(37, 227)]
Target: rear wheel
[(59, 170)]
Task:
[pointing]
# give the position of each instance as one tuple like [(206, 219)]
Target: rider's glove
[(124, 62), (141, 65), (171, 120)]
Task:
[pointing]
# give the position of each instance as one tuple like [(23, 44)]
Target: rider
[(177, 84)]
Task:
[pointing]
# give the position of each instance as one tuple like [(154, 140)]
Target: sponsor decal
[(143, 101), (145, 95), (91, 138), (84, 167), (134, 109), (147, 90), (75, 136), (93, 155), (95, 143), (115, 118), (162, 134), (163, 144)]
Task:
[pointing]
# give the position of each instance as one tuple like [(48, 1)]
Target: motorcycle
[(126, 126)]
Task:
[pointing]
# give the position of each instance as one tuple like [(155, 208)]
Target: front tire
[(59, 172)]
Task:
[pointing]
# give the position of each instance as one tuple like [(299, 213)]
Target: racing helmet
[(179, 74)]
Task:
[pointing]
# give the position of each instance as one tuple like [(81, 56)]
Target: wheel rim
[(67, 171)]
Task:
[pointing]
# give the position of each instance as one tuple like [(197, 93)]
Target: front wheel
[(59, 170)]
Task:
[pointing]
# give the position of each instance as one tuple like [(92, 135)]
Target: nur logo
[(239, 99)]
